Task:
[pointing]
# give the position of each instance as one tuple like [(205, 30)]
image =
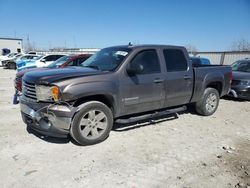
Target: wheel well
[(106, 99), (216, 85)]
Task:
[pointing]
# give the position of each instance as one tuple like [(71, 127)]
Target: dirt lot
[(189, 151)]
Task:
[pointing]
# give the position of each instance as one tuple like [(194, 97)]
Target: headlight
[(47, 93), (244, 83)]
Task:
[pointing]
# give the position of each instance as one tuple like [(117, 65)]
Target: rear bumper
[(240, 92), (47, 119)]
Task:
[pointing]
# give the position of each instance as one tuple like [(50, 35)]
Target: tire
[(209, 102), (11, 65), (92, 123)]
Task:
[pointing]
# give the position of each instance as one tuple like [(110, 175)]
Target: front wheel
[(209, 102), (92, 123)]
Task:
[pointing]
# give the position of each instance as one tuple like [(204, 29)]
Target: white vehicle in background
[(42, 61), (6, 57), (11, 63), (6, 61), (47, 60)]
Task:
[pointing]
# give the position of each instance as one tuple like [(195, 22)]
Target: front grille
[(29, 90), (235, 82)]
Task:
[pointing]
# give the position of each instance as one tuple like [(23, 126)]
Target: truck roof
[(147, 46)]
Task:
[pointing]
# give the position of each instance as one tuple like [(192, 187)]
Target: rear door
[(179, 77), (145, 91)]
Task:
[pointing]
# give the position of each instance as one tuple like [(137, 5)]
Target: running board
[(151, 116)]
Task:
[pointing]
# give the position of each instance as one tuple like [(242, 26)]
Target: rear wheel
[(209, 102), (92, 124)]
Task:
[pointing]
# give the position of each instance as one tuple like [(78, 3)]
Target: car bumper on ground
[(47, 119), (240, 92)]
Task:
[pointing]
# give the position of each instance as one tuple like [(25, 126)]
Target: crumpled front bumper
[(47, 119)]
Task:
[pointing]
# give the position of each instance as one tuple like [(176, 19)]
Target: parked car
[(199, 61), (6, 57), (69, 60), (42, 61), (240, 87), (11, 63), (122, 84)]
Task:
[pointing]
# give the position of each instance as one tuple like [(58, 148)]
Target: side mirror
[(135, 69), (43, 60)]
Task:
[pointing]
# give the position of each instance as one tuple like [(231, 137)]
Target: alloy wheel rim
[(211, 102), (93, 124)]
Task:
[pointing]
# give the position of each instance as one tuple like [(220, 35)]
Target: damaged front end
[(42, 111), (47, 119)]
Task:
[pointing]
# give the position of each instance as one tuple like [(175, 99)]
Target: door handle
[(158, 80), (186, 77)]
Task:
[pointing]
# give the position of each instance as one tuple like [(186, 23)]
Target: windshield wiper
[(92, 66)]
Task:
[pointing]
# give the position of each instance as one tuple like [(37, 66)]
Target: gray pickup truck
[(119, 84)]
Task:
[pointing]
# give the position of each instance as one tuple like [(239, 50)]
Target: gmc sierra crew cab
[(119, 84)]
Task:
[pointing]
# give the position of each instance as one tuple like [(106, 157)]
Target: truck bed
[(205, 74)]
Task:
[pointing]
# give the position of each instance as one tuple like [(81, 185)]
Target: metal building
[(13, 44), (224, 58)]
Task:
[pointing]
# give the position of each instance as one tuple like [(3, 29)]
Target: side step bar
[(151, 116)]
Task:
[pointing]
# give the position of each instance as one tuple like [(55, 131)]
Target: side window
[(57, 57), (149, 60), (49, 58), (175, 60)]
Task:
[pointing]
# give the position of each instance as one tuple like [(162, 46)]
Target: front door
[(143, 91)]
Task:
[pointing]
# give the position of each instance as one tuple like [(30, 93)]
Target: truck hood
[(55, 75), (21, 73), (237, 75)]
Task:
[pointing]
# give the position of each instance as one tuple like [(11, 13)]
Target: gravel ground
[(189, 151)]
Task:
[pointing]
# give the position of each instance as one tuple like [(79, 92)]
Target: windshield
[(242, 66), (59, 62), (108, 59)]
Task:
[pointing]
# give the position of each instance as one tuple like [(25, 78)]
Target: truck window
[(149, 60), (175, 60)]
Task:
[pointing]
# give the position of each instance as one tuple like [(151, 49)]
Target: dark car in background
[(69, 60), (199, 61), (240, 86)]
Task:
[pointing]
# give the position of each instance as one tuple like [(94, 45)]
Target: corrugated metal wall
[(224, 58), (213, 57), (230, 58)]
